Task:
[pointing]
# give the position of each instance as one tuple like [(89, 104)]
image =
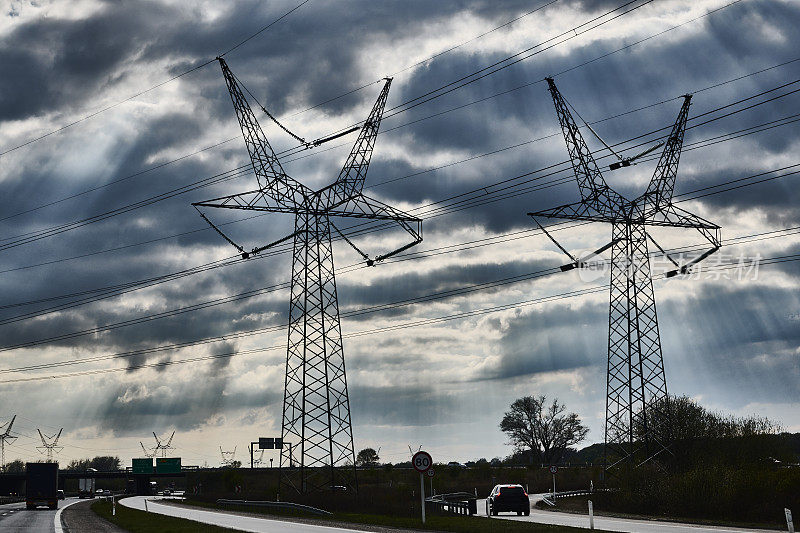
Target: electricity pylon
[(637, 427), (147, 454), (48, 448), (258, 460), (161, 446), (316, 407), (228, 458), (5, 436)]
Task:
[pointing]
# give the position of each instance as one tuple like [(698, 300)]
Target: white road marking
[(57, 518)]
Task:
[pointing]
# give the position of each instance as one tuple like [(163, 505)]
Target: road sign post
[(422, 462), (591, 515), (554, 470), (789, 523), (430, 473), (422, 495)]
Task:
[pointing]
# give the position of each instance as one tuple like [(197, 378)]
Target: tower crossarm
[(573, 211), (351, 178), (271, 177), (255, 200), (358, 206), (7, 431), (593, 188), (361, 206), (662, 184), (669, 216), (675, 217)]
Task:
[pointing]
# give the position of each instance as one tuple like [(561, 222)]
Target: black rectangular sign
[(270, 443)]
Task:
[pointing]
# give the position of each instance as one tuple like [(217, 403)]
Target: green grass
[(142, 522), (579, 505), (453, 524)]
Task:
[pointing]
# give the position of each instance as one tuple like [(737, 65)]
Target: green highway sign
[(143, 466), (168, 465)]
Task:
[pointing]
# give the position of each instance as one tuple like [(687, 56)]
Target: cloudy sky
[(98, 172)]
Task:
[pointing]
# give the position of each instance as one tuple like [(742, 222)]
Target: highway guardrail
[(288, 506)]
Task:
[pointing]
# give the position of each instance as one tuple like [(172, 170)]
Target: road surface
[(611, 524), (242, 523), (14, 517)]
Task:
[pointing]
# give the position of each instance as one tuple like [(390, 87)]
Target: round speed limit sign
[(430, 472), (553, 469), (422, 461)]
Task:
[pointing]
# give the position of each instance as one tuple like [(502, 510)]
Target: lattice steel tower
[(316, 407), (5, 436), (161, 446), (147, 454), (637, 419), (49, 448)]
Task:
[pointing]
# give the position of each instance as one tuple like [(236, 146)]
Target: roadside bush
[(748, 494)]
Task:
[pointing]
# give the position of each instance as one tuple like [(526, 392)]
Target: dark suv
[(508, 498)]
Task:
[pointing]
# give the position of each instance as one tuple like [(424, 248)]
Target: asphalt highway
[(14, 517)]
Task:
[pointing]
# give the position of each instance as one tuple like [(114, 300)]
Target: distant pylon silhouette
[(5, 436), (147, 454), (637, 418), (316, 425), (49, 448), (228, 458), (162, 446)]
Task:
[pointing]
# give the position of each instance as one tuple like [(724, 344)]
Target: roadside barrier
[(462, 503), (289, 506)]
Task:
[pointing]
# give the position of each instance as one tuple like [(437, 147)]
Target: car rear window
[(512, 491)]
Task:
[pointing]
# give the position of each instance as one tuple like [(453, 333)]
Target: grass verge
[(142, 522), (451, 524)]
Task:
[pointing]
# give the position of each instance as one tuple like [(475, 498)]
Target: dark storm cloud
[(559, 337), (185, 407), (61, 63), (753, 344), (402, 405), (411, 285)]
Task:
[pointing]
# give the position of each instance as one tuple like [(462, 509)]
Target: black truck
[(41, 485)]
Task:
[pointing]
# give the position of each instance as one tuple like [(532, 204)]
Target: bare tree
[(545, 430)]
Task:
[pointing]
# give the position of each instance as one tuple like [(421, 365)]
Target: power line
[(140, 93), (464, 203), (458, 291), (395, 327), (433, 92), (485, 154), (265, 28), (29, 237), (503, 64), (482, 73), (302, 147), (434, 56), (293, 115), (573, 31)]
